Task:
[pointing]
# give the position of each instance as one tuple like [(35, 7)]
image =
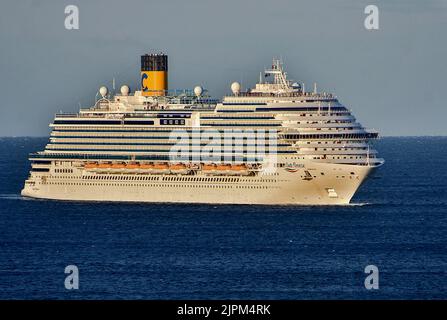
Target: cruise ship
[(273, 144)]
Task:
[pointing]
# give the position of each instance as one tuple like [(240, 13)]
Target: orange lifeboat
[(208, 167), (118, 166), (161, 166), (103, 166), (223, 167), (238, 167), (179, 166), (133, 166), (146, 166), (90, 165)]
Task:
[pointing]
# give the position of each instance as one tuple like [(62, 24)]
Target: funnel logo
[(144, 77)]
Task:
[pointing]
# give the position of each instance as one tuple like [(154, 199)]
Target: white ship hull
[(330, 184)]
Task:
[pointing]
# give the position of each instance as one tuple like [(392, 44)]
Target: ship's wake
[(12, 196), (359, 204)]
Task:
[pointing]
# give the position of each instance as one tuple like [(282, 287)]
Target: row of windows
[(333, 149), (139, 122), (324, 114), (175, 143), (167, 150), (63, 170), (246, 137), (41, 162), (152, 157), (162, 130), (40, 169), (244, 103), (234, 110), (332, 113), (323, 122), (337, 128), (168, 178), (335, 142), (113, 177), (161, 185), (90, 122), (325, 157), (185, 144), (172, 122), (302, 109), (305, 136), (105, 122), (242, 124), (334, 157), (236, 118)]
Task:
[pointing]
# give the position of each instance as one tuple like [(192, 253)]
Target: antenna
[(315, 87), (260, 77)]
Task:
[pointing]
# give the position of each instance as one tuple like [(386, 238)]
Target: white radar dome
[(198, 90), (103, 91), (235, 87), (125, 90)]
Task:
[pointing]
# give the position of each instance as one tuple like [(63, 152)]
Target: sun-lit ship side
[(287, 146)]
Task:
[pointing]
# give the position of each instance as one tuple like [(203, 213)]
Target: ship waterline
[(273, 144)]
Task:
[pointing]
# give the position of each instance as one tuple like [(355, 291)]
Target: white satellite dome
[(103, 91), (236, 87), (125, 90), (198, 90)]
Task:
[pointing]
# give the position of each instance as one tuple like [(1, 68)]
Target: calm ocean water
[(398, 222)]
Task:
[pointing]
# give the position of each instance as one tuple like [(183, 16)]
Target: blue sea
[(397, 222)]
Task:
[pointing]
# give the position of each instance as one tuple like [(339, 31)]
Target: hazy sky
[(394, 79)]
